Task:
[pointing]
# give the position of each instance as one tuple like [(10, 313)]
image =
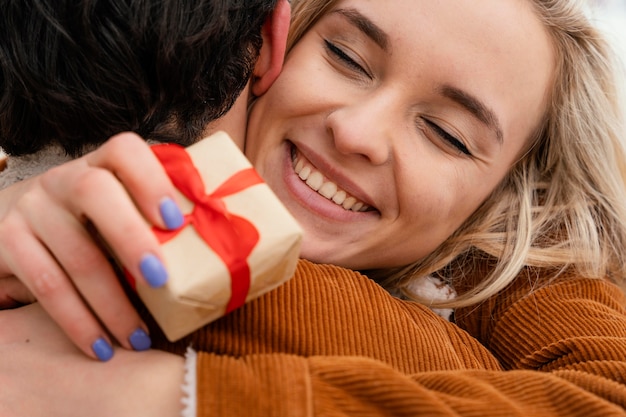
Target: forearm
[(43, 374), (131, 384)]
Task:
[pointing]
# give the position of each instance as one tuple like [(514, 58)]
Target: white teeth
[(357, 206), (316, 181), (304, 173), (348, 203), (340, 197), (328, 190), (299, 166)]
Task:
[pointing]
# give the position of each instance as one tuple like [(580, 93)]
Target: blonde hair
[(562, 206)]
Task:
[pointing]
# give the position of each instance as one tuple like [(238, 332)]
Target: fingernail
[(153, 271), (102, 349), (140, 340), (171, 214)]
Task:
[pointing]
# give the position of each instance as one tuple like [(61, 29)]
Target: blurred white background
[(610, 16)]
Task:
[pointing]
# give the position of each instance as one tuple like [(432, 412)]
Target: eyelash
[(339, 54), (345, 58), (448, 137)]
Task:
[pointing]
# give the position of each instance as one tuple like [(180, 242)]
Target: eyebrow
[(366, 26), (474, 106), (466, 100)]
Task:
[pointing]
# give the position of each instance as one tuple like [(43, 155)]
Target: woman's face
[(392, 121)]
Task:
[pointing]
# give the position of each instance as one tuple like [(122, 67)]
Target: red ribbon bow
[(231, 237)]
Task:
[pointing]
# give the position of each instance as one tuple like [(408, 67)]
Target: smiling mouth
[(324, 187)]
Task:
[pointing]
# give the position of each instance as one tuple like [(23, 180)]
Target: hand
[(47, 239), (13, 293), (43, 374)]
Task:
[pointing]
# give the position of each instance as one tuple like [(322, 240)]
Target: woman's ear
[(272, 54)]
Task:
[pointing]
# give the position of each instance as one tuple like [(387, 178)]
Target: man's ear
[(272, 55)]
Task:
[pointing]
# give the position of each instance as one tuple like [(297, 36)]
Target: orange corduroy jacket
[(331, 342)]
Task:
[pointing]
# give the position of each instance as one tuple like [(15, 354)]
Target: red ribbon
[(231, 237)]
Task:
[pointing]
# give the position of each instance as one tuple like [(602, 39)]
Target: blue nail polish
[(140, 340), (171, 214), (153, 271), (102, 349)]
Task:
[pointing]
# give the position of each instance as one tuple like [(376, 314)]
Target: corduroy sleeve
[(563, 349), (571, 324), (282, 385)]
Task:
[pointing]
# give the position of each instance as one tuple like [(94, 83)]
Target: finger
[(130, 159), (93, 276), (30, 261), (13, 293), (97, 195)]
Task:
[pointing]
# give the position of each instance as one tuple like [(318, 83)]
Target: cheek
[(465, 194), (287, 105), (267, 116), (307, 85), (432, 185), (442, 200), (300, 81)]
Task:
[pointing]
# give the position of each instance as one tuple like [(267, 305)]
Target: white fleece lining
[(22, 167), (189, 384)]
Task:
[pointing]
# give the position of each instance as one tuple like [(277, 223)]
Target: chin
[(313, 252), (329, 255)]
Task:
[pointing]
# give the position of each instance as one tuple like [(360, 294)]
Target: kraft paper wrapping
[(199, 285)]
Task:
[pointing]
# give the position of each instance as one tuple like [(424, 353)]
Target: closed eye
[(451, 140), (345, 59)]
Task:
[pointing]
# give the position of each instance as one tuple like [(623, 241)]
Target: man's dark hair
[(75, 72)]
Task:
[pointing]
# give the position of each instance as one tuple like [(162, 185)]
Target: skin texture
[(403, 148), (368, 117), (60, 263), (38, 358)]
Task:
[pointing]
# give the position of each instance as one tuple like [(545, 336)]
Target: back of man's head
[(77, 72)]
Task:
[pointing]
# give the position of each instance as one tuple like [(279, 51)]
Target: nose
[(364, 127)]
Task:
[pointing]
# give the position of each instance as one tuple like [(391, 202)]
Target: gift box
[(238, 241)]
